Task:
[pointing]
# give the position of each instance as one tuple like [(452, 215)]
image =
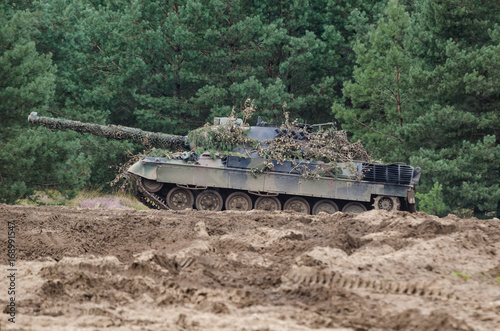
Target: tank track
[(149, 199)]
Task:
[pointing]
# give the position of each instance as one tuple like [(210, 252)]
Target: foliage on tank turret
[(294, 141), (222, 138), (297, 143), (225, 137), (328, 146)]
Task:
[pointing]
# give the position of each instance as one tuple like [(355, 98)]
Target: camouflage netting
[(297, 142), (150, 139)]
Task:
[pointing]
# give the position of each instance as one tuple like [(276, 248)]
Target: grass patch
[(459, 274), (45, 198), (95, 200)]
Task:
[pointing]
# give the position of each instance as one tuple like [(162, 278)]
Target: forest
[(416, 81)]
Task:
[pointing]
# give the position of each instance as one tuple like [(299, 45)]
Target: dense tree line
[(417, 81)]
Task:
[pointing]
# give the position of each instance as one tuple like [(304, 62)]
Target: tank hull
[(229, 175)]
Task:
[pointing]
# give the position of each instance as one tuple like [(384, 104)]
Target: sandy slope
[(83, 269)]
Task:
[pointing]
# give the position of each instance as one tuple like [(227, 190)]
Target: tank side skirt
[(243, 179)]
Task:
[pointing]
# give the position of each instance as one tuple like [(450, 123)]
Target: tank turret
[(150, 139)]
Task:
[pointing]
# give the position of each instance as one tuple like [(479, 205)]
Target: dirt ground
[(84, 269)]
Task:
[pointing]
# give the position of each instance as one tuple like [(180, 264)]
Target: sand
[(96, 269)]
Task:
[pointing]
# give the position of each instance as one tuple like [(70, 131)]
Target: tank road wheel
[(268, 203), (151, 185), (300, 205), (325, 206), (354, 207), (387, 203), (209, 200), (238, 201), (180, 198)]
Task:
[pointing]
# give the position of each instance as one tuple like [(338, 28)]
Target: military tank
[(264, 166)]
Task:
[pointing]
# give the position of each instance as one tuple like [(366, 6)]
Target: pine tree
[(426, 90), (381, 93), (30, 159), (78, 36), (458, 83)]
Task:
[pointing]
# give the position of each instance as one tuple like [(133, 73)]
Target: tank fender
[(144, 169)]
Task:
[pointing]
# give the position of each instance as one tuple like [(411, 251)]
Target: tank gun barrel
[(118, 132)]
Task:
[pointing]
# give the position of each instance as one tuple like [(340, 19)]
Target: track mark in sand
[(203, 261), (165, 262), (176, 265), (54, 218), (337, 280), (211, 263), (185, 262), (51, 238)]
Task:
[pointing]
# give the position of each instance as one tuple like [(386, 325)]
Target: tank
[(286, 167)]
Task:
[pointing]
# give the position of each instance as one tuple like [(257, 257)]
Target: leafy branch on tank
[(267, 165), (297, 143), (223, 138), (123, 180), (294, 142)]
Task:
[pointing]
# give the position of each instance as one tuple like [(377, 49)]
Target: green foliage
[(38, 160), (170, 67), (458, 84), (381, 95), (432, 202), (30, 159), (468, 173), (26, 77), (222, 138), (427, 91), (459, 274)]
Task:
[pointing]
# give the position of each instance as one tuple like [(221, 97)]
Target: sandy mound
[(81, 269)]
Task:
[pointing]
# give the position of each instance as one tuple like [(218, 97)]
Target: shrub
[(432, 202)]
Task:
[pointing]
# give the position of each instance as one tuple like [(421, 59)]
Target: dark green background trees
[(30, 158), (426, 90), (416, 81)]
